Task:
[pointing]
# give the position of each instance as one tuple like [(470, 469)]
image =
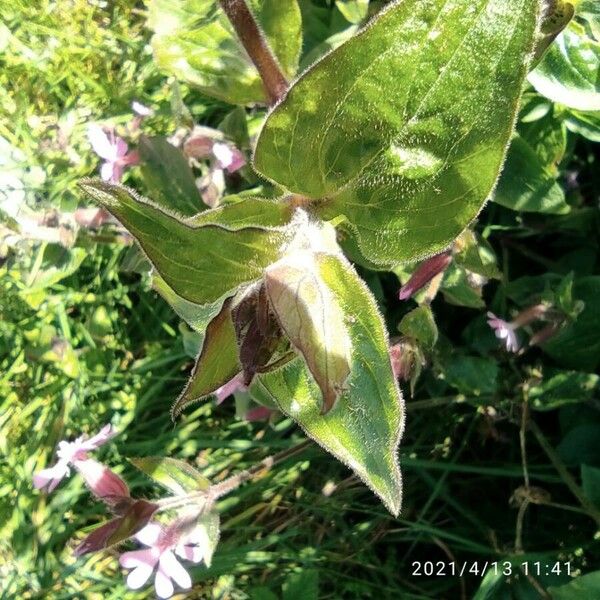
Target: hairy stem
[(255, 44), (228, 485)]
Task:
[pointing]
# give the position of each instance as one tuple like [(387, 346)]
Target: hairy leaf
[(175, 475), (217, 362), (363, 429), (409, 160), (569, 72), (202, 261), (528, 185), (312, 319), (195, 42)]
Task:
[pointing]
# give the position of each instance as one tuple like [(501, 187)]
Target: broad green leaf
[(527, 185), (195, 42), (475, 254), (169, 177), (176, 475), (409, 160), (586, 124), (209, 526), (312, 319), (577, 346), (583, 587), (420, 325), (303, 585), (569, 72), (470, 375), (201, 261), (217, 362), (363, 429)]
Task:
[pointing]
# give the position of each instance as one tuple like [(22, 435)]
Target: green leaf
[(176, 475), (568, 73), (558, 388), (471, 375), (195, 42), (409, 160), (420, 325), (363, 429), (354, 11), (197, 316), (169, 177), (527, 185), (210, 527), (577, 346), (312, 319), (216, 364), (204, 259), (586, 586), (590, 482), (458, 290)]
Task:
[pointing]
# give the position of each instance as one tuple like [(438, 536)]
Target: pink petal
[(233, 385), (237, 162), (101, 143), (192, 553), (49, 478), (100, 479), (224, 155), (107, 171), (171, 567), (104, 435), (117, 173), (149, 534), (162, 585), (120, 147), (136, 558), (133, 158), (139, 576)]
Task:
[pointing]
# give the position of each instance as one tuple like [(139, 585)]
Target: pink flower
[(114, 152), (504, 331), (233, 385), (163, 544), (228, 157), (424, 273), (99, 478)]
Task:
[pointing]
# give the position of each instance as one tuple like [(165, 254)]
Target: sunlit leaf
[(569, 71), (177, 476), (203, 260), (195, 42), (363, 429), (217, 362), (409, 160)]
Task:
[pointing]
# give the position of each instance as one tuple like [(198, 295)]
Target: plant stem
[(228, 485), (570, 482), (255, 44)]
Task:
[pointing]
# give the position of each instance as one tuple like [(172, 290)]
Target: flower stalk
[(255, 44)]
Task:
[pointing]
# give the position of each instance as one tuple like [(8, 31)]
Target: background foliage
[(85, 340)]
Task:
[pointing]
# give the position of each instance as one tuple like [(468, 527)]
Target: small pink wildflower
[(100, 479), (163, 544), (228, 157), (504, 331), (113, 150)]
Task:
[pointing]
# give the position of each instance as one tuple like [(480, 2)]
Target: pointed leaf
[(202, 261), (408, 159), (217, 363), (195, 42), (118, 530), (169, 177), (363, 429), (312, 319), (176, 475), (420, 325)]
